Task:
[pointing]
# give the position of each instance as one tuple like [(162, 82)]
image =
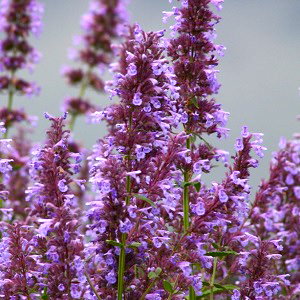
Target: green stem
[(83, 88), (121, 266), (192, 294), (72, 122), (212, 281), (91, 285), (186, 204), (10, 100), (186, 211), (148, 289), (82, 91)]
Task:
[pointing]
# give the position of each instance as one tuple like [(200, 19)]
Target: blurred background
[(260, 73)]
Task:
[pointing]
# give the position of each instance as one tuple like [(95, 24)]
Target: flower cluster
[(104, 23), (194, 55), (276, 209), (151, 229), (18, 19), (54, 213)]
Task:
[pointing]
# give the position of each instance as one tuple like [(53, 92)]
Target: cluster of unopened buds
[(133, 218)]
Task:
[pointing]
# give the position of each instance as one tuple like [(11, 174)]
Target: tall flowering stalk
[(54, 212), (102, 25), (194, 56), (19, 266), (193, 53), (138, 130), (5, 169), (18, 20), (275, 213), (154, 230)]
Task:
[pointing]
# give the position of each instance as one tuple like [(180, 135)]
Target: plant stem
[(192, 294), (10, 99), (91, 285), (212, 281), (148, 289), (186, 211), (121, 266), (186, 204), (82, 91), (72, 122)]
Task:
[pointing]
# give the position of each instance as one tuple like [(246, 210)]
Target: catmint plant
[(275, 212), (138, 131), (18, 21), (55, 215), (132, 219), (102, 24)]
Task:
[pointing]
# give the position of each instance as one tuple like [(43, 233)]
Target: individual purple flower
[(137, 100), (62, 186), (125, 226), (236, 295), (239, 145), (185, 267), (223, 196)]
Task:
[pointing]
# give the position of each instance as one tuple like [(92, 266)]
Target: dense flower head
[(18, 20), (194, 56), (54, 213), (19, 270), (104, 23), (258, 276), (78, 106), (138, 216), (276, 208), (18, 179)]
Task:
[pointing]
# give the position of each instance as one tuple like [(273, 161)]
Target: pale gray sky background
[(259, 73)]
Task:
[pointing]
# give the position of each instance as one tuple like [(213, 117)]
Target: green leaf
[(219, 286), (141, 197), (205, 283), (230, 287), (152, 275), (196, 184), (195, 102), (221, 253), (168, 286), (44, 296), (158, 270), (217, 290), (155, 274), (134, 245), (114, 243), (216, 246)]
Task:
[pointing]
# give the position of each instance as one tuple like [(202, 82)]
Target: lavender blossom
[(19, 270), (53, 208), (18, 20), (194, 56), (275, 211), (123, 161), (104, 22)]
